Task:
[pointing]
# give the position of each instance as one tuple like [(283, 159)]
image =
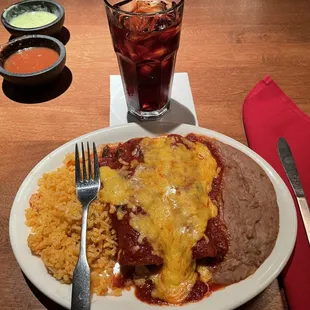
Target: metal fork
[(87, 187)]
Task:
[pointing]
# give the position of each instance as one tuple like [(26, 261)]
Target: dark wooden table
[(226, 47)]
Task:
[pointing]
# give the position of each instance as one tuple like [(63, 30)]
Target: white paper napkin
[(182, 108)]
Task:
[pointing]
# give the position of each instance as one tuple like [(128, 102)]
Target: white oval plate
[(229, 298)]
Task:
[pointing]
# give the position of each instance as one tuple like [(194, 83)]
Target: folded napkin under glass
[(268, 114)]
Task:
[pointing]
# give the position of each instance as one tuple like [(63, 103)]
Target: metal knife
[(289, 166)]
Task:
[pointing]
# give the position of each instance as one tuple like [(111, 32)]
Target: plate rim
[(271, 173)]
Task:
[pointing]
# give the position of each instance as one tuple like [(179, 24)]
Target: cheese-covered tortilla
[(171, 186)]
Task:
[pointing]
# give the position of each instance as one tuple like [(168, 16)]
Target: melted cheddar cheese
[(172, 187)]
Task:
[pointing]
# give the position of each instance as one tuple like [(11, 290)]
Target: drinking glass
[(146, 37)]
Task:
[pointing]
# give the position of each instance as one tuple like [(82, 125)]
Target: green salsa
[(33, 19)]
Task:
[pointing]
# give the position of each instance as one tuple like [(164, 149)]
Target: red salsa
[(30, 60)]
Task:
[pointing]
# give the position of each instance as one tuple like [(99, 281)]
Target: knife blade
[(291, 171)]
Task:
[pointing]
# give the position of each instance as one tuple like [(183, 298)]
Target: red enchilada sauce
[(30, 60), (211, 253), (124, 153), (144, 293)]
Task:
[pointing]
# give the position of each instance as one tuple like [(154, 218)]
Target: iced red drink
[(146, 36)]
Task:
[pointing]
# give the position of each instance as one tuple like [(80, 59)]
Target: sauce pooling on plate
[(30, 60), (33, 19)]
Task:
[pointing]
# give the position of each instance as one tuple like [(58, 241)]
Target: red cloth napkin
[(268, 113)]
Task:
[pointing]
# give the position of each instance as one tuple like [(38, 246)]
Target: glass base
[(150, 116)]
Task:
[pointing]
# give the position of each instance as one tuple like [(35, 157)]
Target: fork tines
[(89, 173)]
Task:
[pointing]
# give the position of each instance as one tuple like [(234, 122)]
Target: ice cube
[(142, 51), (152, 6), (157, 22), (168, 34), (162, 22), (146, 70), (157, 53), (134, 23), (131, 51), (128, 6)]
